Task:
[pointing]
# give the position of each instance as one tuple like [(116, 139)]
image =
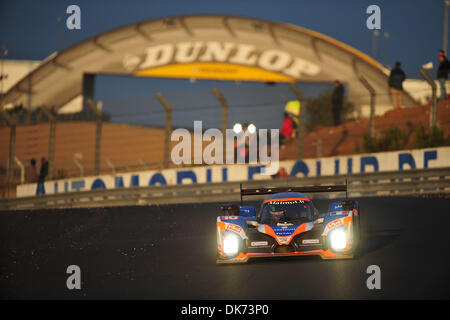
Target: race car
[(288, 224)]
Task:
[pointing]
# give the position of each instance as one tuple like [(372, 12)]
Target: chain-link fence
[(133, 134)]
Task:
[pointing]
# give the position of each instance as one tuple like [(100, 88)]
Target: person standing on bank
[(42, 175), (337, 99), (395, 81), (287, 130), (442, 73)]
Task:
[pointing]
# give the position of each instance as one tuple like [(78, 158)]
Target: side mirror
[(348, 205), (230, 209), (319, 219), (252, 223), (248, 213)]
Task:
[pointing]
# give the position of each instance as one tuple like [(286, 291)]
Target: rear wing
[(305, 189)]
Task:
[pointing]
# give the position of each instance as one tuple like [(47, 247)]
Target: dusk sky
[(30, 31)]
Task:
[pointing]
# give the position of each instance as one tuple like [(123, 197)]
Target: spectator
[(287, 130), (442, 73), (290, 122), (396, 79), (42, 175), (337, 99), (292, 108), (30, 172), (44, 170), (282, 173)]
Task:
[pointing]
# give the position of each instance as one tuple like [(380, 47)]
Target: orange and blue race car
[(288, 224)]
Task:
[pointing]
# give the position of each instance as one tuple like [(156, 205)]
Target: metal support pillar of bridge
[(12, 154), (51, 145), (168, 127), (97, 109), (301, 119), (88, 86), (224, 105), (12, 146), (432, 84), (372, 92)]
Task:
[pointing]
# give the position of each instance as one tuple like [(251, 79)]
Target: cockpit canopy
[(294, 209)]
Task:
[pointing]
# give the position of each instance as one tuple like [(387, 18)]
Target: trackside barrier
[(406, 182)]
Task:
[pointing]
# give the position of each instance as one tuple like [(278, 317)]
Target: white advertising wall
[(376, 162)]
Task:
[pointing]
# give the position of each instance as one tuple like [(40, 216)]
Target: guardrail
[(408, 182)]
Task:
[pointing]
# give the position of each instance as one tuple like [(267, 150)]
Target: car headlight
[(338, 239), (230, 244)]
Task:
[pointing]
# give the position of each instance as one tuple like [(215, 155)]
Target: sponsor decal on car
[(230, 217), (283, 239), (259, 243), (310, 241), (234, 228), (286, 202), (335, 213), (334, 224)]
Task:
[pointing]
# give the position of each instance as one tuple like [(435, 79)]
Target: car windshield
[(292, 211)]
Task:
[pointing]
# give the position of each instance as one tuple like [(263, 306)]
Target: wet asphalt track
[(168, 252)]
